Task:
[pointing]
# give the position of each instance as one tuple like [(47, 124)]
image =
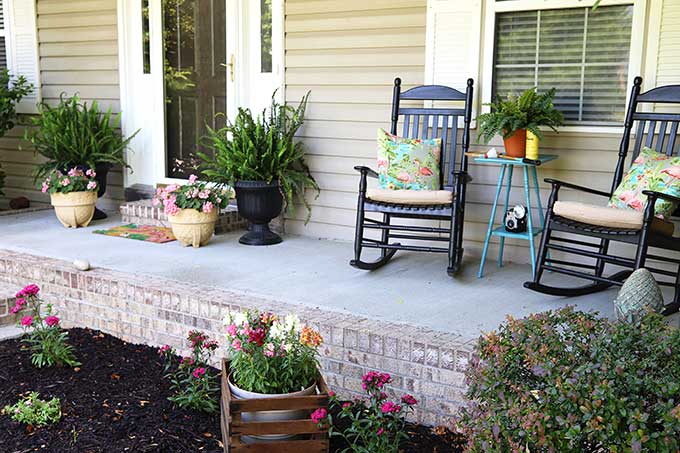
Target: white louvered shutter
[(453, 44), (22, 48)]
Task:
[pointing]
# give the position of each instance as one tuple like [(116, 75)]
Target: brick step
[(143, 212), (7, 293)]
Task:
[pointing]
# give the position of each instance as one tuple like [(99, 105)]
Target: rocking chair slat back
[(430, 127), (646, 130)]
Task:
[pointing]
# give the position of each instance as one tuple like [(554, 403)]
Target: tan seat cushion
[(415, 197), (608, 217)]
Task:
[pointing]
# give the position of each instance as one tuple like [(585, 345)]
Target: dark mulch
[(116, 401)]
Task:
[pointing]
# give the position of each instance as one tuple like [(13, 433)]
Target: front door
[(187, 65)]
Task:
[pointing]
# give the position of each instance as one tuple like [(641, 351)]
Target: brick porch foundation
[(155, 311)]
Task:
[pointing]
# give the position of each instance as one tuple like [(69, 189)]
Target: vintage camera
[(516, 219)]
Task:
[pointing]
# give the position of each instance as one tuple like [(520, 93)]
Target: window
[(3, 36), (584, 54), (265, 36)]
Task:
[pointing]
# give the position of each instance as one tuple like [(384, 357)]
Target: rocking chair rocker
[(642, 237), (447, 204)]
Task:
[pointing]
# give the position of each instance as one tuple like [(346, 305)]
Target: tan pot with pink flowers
[(192, 227), (73, 195)]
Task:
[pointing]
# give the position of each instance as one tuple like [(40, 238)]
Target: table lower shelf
[(501, 231)]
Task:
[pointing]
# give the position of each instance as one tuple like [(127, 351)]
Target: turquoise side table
[(529, 170)]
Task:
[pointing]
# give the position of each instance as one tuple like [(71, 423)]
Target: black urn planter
[(259, 203)]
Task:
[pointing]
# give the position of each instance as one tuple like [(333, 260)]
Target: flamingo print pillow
[(408, 163), (650, 171)]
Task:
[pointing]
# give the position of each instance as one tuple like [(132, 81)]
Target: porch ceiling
[(413, 288)]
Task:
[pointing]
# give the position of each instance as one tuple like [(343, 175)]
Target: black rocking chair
[(643, 238), (424, 123)]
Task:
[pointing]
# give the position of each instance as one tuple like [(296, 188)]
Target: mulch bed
[(116, 401)]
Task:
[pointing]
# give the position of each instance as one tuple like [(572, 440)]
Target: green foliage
[(74, 134), (262, 149), (569, 381), (33, 411), (194, 385), (12, 90), (271, 355), (528, 111), (74, 181)]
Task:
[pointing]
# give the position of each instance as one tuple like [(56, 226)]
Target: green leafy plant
[(33, 411), (271, 355), (75, 180), (12, 90), (262, 148), (569, 381), (47, 342), (75, 134), (193, 383), (375, 425), (195, 195), (528, 111)]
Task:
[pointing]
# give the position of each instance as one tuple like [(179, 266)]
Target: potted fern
[(260, 158), (77, 135), (512, 117)]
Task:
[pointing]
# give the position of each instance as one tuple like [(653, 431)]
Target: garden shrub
[(570, 381), (375, 425), (192, 381), (47, 342), (33, 411)]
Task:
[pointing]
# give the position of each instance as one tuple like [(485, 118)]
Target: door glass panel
[(194, 35), (146, 41), (265, 36)]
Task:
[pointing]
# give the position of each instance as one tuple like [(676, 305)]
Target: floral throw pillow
[(408, 163), (650, 171)]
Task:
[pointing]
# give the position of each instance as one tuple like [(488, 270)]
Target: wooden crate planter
[(315, 440)]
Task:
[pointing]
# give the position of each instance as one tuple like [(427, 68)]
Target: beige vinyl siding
[(78, 49), (348, 53)]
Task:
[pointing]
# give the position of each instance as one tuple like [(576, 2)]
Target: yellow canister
[(532, 146)]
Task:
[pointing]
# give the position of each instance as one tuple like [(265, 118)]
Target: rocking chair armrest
[(366, 171), (557, 183), (654, 195)]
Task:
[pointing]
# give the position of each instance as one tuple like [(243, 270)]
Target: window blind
[(583, 53), (3, 42)]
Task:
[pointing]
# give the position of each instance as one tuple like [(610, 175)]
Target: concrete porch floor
[(413, 288)]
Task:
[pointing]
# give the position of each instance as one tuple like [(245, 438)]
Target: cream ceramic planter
[(192, 227), (270, 416), (74, 209)]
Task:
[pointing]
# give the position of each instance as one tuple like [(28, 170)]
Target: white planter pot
[(192, 227), (269, 416), (74, 209)]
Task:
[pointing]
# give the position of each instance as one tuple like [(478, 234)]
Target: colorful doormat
[(148, 233)]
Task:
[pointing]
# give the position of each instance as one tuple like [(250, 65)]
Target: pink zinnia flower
[(236, 345), (27, 321), (52, 321), (29, 290), (91, 185), (389, 407), (319, 415), (198, 372), (192, 179), (208, 207), (90, 172), (45, 187), (409, 399)]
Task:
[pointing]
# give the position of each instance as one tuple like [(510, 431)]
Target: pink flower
[(319, 415), (73, 172), (192, 179), (269, 350), (27, 321), (52, 321), (171, 188), (186, 361), (236, 345), (346, 405), (331, 393), (375, 379), (163, 349), (210, 344), (91, 185), (14, 310), (389, 407), (90, 172), (207, 207), (155, 201), (198, 372), (218, 200), (45, 187), (203, 195), (380, 431), (409, 400), (231, 330), (65, 182), (29, 290)]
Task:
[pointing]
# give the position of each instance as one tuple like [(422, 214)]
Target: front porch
[(409, 319)]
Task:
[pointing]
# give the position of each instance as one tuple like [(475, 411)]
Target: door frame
[(142, 96)]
